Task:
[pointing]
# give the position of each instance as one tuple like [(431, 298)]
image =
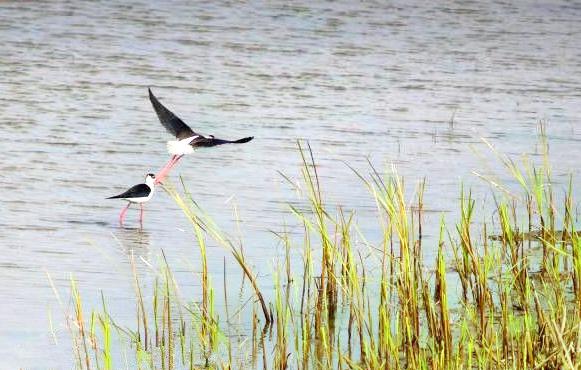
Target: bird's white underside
[(181, 147), (139, 200)]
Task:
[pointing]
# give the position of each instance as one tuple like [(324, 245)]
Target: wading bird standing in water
[(140, 193), (187, 139)]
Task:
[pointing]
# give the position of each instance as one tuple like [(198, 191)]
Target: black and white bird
[(187, 139), (139, 194)]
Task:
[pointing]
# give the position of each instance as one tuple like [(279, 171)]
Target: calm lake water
[(379, 81)]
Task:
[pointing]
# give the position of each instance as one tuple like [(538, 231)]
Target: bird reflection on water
[(133, 241)]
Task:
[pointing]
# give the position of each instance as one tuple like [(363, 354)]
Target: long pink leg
[(123, 213), (141, 214), (175, 162), (168, 167), (165, 170), (162, 173)]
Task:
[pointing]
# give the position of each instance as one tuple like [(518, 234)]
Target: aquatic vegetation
[(502, 293)]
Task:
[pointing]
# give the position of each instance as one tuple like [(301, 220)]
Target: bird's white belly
[(180, 147), (137, 200), (140, 199)]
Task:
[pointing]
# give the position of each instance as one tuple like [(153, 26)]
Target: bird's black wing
[(137, 191), (206, 142), (172, 123)]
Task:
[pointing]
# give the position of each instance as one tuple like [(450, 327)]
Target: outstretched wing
[(137, 191), (172, 123), (209, 141)]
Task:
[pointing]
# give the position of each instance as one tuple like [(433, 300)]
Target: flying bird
[(140, 194), (187, 140)]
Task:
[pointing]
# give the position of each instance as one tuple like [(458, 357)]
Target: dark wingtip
[(244, 140), (153, 98)]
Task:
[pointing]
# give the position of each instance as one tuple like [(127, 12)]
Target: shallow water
[(382, 81)]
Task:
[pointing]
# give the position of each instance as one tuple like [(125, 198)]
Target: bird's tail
[(243, 140)]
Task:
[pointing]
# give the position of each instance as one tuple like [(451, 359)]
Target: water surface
[(399, 82)]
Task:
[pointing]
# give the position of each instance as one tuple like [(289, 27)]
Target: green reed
[(353, 304)]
